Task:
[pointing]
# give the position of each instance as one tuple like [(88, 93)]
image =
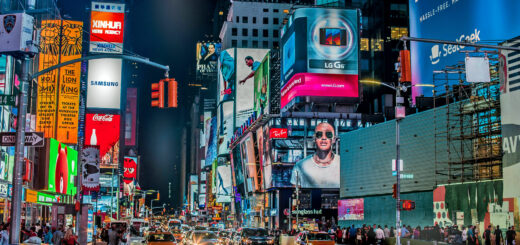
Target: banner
[(130, 169), (106, 27), (131, 117), (103, 130), (104, 84), (351, 209), (207, 57), (90, 168)]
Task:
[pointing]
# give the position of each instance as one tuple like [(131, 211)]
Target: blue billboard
[(474, 21)]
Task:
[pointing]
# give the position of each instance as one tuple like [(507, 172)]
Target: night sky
[(166, 32)]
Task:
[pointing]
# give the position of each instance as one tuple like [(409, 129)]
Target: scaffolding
[(468, 142)]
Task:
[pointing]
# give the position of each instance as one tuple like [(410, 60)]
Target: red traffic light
[(394, 191), (408, 205), (158, 94), (172, 92)]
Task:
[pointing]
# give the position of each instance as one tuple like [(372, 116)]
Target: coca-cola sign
[(102, 117)]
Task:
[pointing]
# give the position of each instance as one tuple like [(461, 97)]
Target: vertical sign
[(106, 27), (131, 117)]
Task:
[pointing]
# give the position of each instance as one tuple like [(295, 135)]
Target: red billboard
[(278, 133), (106, 27), (103, 130), (320, 85), (131, 116)]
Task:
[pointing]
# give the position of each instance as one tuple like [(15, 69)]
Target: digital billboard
[(104, 84), (58, 97), (211, 146), (90, 168), (103, 130), (225, 126), (262, 96), (207, 57), (351, 209), (264, 152), (62, 163), (130, 169), (131, 117), (321, 169), (223, 182), (106, 27), (226, 74), (428, 17), (247, 63)]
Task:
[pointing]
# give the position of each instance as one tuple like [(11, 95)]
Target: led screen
[(207, 57), (62, 164), (262, 96), (351, 209), (226, 75), (103, 130), (225, 126)]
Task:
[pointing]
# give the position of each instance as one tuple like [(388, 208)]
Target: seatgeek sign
[(478, 21), (106, 27), (104, 84)]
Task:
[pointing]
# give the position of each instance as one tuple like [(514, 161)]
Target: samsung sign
[(472, 21), (104, 83)]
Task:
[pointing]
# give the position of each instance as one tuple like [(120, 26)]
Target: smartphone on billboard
[(333, 36)]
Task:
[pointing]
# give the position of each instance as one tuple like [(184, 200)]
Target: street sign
[(7, 99), (33, 139)]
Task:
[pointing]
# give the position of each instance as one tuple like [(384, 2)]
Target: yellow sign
[(31, 196)]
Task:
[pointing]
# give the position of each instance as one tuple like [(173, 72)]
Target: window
[(266, 20), (255, 44), (244, 43), (265, 44), (244, 32), (364, 44), (276, 10), (266, 10), (234, 43), (398, 32), (238, 19), (234, 31), (275, 44), (275, 33), (377, 44), (255, 32), (266, 33), (244, 19), (276, 21), (254, 20)]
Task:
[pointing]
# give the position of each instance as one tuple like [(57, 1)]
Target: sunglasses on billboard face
[(328, 134)]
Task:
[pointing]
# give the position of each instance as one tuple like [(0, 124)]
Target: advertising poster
[(207, 58), (104, 84), (226, 74), (428, 17), (265, 154), (225, 130), (211, 146), (108, 180), (321, 169), (247, 62), (104, 204), (131, 117), (106, 27), (62, 162), (223, 181), (130, 169), (69, 84), (103, 130), (261, 99), (247, 152), (90, 168), (351, 209)]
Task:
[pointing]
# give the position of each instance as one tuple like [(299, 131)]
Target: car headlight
[(249, 241), (270, 241)]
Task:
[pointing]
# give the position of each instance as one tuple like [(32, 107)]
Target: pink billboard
[(351, 209), (320, 85)]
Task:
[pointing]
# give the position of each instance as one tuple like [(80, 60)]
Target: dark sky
[(166, 32)]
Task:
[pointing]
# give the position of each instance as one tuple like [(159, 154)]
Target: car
[(177, 234), (253, 236), (160, 238), (225, 237), (201, 237), (313, 238)]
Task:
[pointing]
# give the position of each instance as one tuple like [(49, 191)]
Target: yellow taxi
[(161, 238)]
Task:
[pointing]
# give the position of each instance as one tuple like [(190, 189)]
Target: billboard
[(104, 84), (225, 126), (131, 117), (106, 27), (428, 17), (58, 97), (223, 181), (320, 50), (351, 209), (262, 96), (247, 63), (264, 151), (226, 74), (103, 130), (90, 168), (211, 145), (321, 169), (62, 167), (130, 169), (207, 57)]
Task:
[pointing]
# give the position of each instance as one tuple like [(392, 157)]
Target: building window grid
[(265, 33), (244, 43), (276, 21), (266, 20), (234, 31), (244, 19), (255, 32), (237, 19), (254, 20), (265, 44), (244, 32)]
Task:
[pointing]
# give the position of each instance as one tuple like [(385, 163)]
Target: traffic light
[(394, 191), (405, 66), (158, 196), (172, 92), (158, 94), (408, 205)]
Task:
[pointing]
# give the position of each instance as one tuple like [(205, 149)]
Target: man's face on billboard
[(211, 48), (323, 136), (249, 62)]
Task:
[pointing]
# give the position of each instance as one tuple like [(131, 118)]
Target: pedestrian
[(417, 233), (498, 235), (339, 235), (4, 234), (33, 237), (359, 237), (380, 235), (487, 236), (464, 234), (371, 236), (47, 235), (387, 231), (70, 238), (392, 232), (57, 236), (352, 235), (510, 235)]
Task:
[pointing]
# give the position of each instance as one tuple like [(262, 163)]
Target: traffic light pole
[(397, 169)]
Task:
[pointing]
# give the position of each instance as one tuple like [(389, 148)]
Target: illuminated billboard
[(428, 17), (223, 182), (103, 130), (211, 145), (351, 209), (104, 84), (320, 50), (262, 96), (264, 152), (207, 57), (225, 126), (106, 27), (90, 168), (226, 74), (58, 97), (62, 163), (247, 63), (321, 169), (131, 117)]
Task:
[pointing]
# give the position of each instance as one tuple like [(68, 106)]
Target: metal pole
[(297, 198), (16, 204), (398, 203), (290, 214)]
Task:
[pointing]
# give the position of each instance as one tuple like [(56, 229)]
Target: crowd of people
[(115, 234), (38, 234)]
